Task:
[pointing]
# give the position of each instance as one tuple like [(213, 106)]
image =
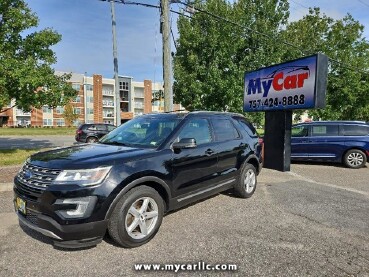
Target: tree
[(342, 40), (69, 115), (213, 54), (26, 75), (223, 40)]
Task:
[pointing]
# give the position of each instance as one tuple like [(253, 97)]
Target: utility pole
[(115, 55), (167, 65)]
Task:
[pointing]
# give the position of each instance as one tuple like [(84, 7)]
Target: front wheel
[(137, 217), (355, 158), (246, 183)]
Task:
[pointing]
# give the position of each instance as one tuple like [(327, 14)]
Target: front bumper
[(41, 212), (66, 236)]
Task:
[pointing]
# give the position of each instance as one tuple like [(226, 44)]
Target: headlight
[(83, 177)]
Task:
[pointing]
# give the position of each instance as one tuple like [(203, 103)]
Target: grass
[(15, 156), (57, 131)]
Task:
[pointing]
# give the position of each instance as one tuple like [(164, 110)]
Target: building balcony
[(126, 115), (107, 93), (139, 95), (108, 104), (21, 113)]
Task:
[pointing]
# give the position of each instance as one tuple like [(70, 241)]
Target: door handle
[(209, 152)]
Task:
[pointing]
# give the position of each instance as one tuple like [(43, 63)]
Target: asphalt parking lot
[(313, 221)]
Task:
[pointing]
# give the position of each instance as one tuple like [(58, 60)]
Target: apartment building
[(95, 102)]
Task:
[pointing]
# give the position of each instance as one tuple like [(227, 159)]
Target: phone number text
[(275, 102)]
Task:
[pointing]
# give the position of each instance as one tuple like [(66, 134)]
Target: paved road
[(311, 221), (33, 142)]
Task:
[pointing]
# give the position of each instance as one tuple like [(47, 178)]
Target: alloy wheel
[(141, 218), (355, 159), (250, 180)]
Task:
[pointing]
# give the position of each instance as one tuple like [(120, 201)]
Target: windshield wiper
[(114, 143)]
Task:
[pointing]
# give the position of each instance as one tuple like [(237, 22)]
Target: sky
[(85, 26)]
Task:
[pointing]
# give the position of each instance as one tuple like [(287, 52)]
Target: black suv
[(92, 132), (125, 183)]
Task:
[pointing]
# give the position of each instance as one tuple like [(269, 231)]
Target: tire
[(355, 158), (246, 183), (130, 219), (91, 140)]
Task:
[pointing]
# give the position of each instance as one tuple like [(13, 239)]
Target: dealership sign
[(298, 84)]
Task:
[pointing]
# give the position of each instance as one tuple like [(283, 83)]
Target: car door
[(194, 169), (229, 147), (299, 142), (101, 130), (324, 142)]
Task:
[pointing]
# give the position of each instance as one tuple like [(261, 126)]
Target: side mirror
[(185, 143)]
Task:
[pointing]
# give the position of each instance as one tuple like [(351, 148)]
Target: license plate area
[(20, 205)]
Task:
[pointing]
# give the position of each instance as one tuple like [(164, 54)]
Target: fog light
[(83, 207)]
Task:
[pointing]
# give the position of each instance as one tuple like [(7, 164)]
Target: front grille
[(36, 177)]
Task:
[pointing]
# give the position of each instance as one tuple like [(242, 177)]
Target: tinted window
[(248, 127), (324, 130), (197, 128), (111, 128), (142, 131), (92, 128), (101, 127), (354, 130), (299, 131), (224, 129)]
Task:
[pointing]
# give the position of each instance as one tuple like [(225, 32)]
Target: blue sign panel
[(298, 84)]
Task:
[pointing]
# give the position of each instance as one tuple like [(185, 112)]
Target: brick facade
[(96, 90), (98, 98), (147, 96)]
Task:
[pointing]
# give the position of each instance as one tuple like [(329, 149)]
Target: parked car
[(344, 142), (125, 183), (92, 132)]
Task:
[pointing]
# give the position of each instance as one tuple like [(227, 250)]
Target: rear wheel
[(246, 184), (137, 217), (355, 158), (91, 140)]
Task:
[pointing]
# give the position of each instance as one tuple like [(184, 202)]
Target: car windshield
[(142, 132)]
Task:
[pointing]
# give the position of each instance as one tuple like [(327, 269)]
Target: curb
[(6, 187)]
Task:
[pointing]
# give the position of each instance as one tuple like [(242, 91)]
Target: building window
[(77, 110), (90, 111), (89, 87), (59, 110), (76, 122), (60, 122), (47, 122), (77, 87), (77, 99), (124, 96), (123, 85), (46, 109), (90, 99)]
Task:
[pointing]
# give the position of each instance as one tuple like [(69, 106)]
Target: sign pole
[(277, 140)]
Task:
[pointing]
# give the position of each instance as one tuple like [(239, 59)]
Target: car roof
[(194, 113), (333, 122)]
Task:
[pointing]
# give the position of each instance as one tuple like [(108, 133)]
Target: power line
[(304, 52), (297, 3), (362, 2), (241, 26)]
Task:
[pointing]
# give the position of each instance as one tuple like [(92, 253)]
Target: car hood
[(87, 156)]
